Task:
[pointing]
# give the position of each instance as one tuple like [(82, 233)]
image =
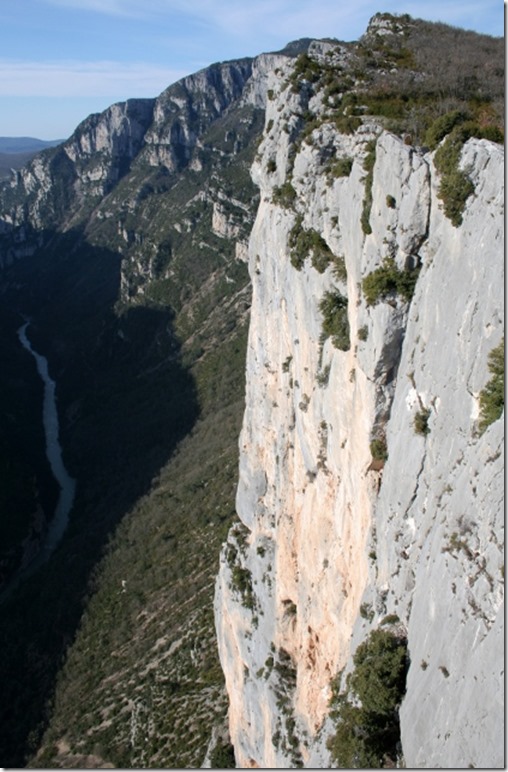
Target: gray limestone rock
[(336, 540)]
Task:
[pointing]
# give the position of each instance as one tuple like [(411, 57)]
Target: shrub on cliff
[(368, 165), (442, 126), (492, 396), (455, 186), (421, 421), (367, 713), (305, 69), (341, 167), (305, 243), (378, 449), (387, 280), (284, 195), (333, 307)]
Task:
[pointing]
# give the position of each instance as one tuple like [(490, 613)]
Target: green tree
[(367, 713), (223, 756), (333, 307)]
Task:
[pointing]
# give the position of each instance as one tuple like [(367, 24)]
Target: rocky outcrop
[(184, 111), (338, 534)]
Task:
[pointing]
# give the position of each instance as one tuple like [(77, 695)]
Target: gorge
[(272, 299)]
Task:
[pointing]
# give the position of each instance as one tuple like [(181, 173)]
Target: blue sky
[(61, 60)]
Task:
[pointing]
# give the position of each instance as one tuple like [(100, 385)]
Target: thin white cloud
[(107, 7), (240, 17), (125, 8), (272, 19), (84, 79)]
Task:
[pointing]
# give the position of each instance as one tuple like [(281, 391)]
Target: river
[(66, 483)]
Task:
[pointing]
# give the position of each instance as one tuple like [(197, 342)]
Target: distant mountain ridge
[(12, 145), (15, 152)]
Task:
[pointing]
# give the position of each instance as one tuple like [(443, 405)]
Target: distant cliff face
[(368, 498), (68, 186)]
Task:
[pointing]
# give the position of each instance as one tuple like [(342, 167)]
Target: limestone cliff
[(367, 494)]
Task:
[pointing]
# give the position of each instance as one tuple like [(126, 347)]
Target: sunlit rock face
[(332, 539)]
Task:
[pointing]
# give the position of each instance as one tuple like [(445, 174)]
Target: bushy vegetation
[(339, 268), (455, 186), (341, 167), (379, 449), (241, 577), (333, 307), (492, 395), (284, 195), (367, 712), (421, 421), (442, 126), (363, 333), (305, 69), (307, 242), (388, 280), (347, 124), (368, 165)]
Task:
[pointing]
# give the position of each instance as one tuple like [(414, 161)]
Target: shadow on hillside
[(125, 402)]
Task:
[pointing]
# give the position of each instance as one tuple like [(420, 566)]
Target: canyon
[(272, 300)]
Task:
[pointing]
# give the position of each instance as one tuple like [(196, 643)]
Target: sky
[(61, 60)]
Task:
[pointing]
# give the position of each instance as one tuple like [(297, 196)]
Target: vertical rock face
[(333, 536)]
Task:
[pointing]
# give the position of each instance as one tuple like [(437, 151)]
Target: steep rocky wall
[(331, 541)]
